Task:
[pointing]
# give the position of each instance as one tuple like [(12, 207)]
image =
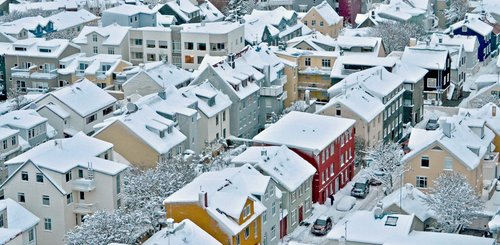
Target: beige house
[(142, 136), (324, 19), (112, 39), (60, 183), (292, 77), (460, 144)]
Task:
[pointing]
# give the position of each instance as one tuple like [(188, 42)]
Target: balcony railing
[(491, 158), (100, 75), (83, 184), (273, 90), (84, 208), (33, 72)]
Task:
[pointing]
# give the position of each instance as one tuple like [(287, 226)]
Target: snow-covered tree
[(104, 227), (456, 10), (385, 163), (236, 9), (17, 100), (359, 151), (396, 35), (454, 200), (484, 99), (145, 190), (299, 105)]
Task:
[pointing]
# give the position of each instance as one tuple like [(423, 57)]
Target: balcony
[(101, 75), (491, 158), (84, 208), (273, 90), (80, 73), (83, 185), (490, 162), (33, 72), (283, 79)]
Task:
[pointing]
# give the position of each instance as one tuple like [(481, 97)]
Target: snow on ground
[(469, 86), (302, 234)]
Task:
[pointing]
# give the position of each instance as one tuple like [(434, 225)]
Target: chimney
[(413, 42), (267, 73), (451, 34), (307, 97), (446, 128), (440, 39), (230, 59), (141, 65), (170, 225), (263, 152), (493, 111), (203, 199)]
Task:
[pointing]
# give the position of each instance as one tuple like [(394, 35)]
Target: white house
[(111, 39), (18, 225)]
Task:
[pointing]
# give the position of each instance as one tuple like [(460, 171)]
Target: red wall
[(349, 9)]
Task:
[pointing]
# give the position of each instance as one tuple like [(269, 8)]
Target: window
[(48, 224), (69, 198), (107, 110), (150, 44), (274, 208), (118, 184), (331, 170), (80, 173), (294, 216), (45, 200), (24, 176), (1, 220), (31, 235), (321, 23), (111, 50), (202, 46), (238, 242), (421, 182), (264, 217), (431, 82), (305, 22), (325, 62), (199, 59), (138, 55), (448, 163), (224, 116), (82, 195), (247, 232), (307, 62), (21, 198), (91, 118), (313, 22), (151, 57), (138, 42), (163, 44), (464, 28), (39, 177), (68, 176), (255, 228), (273, 232), (189, 59), (424, 162), (188, 45), (95, 49), (94, 38)]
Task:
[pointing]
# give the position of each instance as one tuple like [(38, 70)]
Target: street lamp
[(439, 84)]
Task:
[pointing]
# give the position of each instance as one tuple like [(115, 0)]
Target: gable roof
[(474, 24), (19, 219), (32, 47), (66, 19), (412, 202), (327, 13), (186, 232), (114, 34), (430, 58), (204, 92), (163, 73)]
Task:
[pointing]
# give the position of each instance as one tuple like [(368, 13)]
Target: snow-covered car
[(322, 225), (346, 203), (361, 188), (432, 124)]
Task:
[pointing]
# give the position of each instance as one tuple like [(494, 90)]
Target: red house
[(325, 142)]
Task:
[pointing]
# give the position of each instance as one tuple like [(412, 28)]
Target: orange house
[(220, 206)]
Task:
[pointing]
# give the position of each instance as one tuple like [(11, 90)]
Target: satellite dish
[(131, 107)]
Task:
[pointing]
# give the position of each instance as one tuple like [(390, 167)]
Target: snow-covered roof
[(227, 192), (22, 119), (469, 42), (359, 60), (161, 72), (28, 23), (259, 56), (282, 164), (359, 101), (460, 144), (432, 58), (114, 34), (455, 51), (410, 73), (377, 81), (74, 95), (373, 231), (204, 92), (399, 10), (33, 45), (210, 12), (412, 202), (94, 64), (170, 101), (421, 237), (62, 155), (486, 113), (304, 131), (315, 39), (128, 9), (146, 124), (19, 220), (58, 110), (66, 19), (327, 13), (347, 42), (6, 132), (186, 232), (221, 27), (183, 8), (474, 24), (259, 20), (165, 20)]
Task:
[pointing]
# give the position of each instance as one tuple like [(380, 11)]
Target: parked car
[(361, 188), (346, 203), (432, 124), (322, 225), (375, 182)]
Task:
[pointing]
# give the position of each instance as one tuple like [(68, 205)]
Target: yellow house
[(461, 144), (222, 204), (313, 68), (324, 19)]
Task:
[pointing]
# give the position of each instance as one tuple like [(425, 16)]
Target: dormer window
[(45, 50), (105, 67), (94, 38), (19, 48), (211, 101), (246, 211), (244, 82), (169, 130), (162, 133), (236, 87)]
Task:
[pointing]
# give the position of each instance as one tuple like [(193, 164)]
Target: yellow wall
[(291, 85), (436, 167), (197, 214), (332, 31), (129, 145)]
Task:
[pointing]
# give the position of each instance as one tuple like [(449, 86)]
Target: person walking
[(332, 198)]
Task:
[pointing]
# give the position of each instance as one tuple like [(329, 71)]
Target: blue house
[(476, 27)]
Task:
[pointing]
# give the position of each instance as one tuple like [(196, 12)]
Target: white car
[(346, 203)]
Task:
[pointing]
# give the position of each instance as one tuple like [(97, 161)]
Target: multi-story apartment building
[(62, 180), (150, 44), (324, 19), (142, 136), (293, 176), (228, 208), (31, 64), (214, 39), (388, 90), (349, 64), (240, 81), (130, 15), (214, 108), (111, 39), (70, 109), (18, 224), (327, 143)]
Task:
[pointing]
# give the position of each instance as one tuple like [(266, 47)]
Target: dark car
[(432, 124), (361, 188), (322, 225)]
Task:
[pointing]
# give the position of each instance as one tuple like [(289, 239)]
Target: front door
[(337, 184), (301, 213)]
